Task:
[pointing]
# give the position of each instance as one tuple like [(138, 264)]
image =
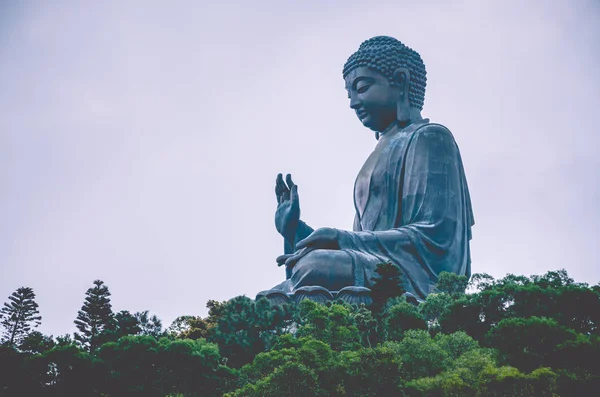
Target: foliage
[(367, 325), (36, 343), (141, 365), (515, 336), (19, 315), (436, 306), (95, 320), (149, 324), (332, 324), (452, 284), (246, 327), (400, 318), (386, 285)]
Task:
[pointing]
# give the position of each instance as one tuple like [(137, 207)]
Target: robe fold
[(417, 215)]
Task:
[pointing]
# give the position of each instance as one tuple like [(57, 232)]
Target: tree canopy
[(514, 336)]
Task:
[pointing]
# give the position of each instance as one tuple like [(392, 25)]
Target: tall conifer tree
[(388, 284), (19, 315), (95, 316)]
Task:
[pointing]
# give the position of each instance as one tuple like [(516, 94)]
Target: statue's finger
[(281, 184), (294, 193), (298, 255), (308, 241), (290, 183), (290, 262), (286, 195), (282, 258)]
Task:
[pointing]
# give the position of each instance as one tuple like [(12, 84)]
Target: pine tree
[(19, 315), (95, 317), (149, 324), (387, 285)]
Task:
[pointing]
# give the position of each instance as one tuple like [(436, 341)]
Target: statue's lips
[(362, 114)]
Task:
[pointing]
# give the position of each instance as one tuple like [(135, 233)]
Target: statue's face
[(372, 97)]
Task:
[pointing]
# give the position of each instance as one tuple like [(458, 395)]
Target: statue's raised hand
[(287, 216)]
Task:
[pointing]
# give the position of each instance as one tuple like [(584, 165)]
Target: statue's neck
[(415, 117)]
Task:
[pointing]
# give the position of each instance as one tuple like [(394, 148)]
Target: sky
[(140, 140)]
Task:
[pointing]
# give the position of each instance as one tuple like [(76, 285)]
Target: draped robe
[(414, 211)]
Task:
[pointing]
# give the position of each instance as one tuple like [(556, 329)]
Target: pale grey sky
[(140, 140)]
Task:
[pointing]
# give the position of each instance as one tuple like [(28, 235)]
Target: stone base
[(355, 295), (313, 293), (352, 295)]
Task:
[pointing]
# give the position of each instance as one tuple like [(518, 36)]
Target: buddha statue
[(411, 197)]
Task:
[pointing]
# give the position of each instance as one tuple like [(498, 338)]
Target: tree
[(434, 307), (529, 343), (400, 318), (19, 315), (332, 324), (367, 325), (36, 343), (127, 323), (452, 284), (368, 372), (246, 327), (149, 325), (180, 325), (95, 316), (124, 323), (387, 285)]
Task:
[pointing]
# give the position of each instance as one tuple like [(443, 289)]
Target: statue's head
[(385, 81)]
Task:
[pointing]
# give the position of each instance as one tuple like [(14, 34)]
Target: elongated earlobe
[(403, 111), (403, 106)]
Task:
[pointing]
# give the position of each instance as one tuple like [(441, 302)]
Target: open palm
[(287, 215)]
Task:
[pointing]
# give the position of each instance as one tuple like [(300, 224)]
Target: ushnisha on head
[(386, 82)]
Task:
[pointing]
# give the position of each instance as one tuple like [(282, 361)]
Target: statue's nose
[(354, 102)]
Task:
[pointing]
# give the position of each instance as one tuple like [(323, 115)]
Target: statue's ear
[(402, 78)]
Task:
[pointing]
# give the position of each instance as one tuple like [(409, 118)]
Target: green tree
[(123, 323), (95, 317), (386, 285), (369, 372), (456, 344), (36, 343), (367, 325), (64, 340), (195, 327), (434, 307), (19, 315), (289, 380), (180, 325), (529, 343), (421, 355), (400, 318), (452, 284), (332, 324), (246, 327), (133, 364), (71, 372), (149, 324)]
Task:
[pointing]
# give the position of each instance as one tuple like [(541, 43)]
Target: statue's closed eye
[(363, 88)]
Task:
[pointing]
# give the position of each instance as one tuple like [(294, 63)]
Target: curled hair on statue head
[(385, 54)]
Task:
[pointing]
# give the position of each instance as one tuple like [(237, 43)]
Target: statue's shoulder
[(433, 131), (422, 132), (432, 128)]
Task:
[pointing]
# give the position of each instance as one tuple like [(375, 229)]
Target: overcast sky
[(139, 141)]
